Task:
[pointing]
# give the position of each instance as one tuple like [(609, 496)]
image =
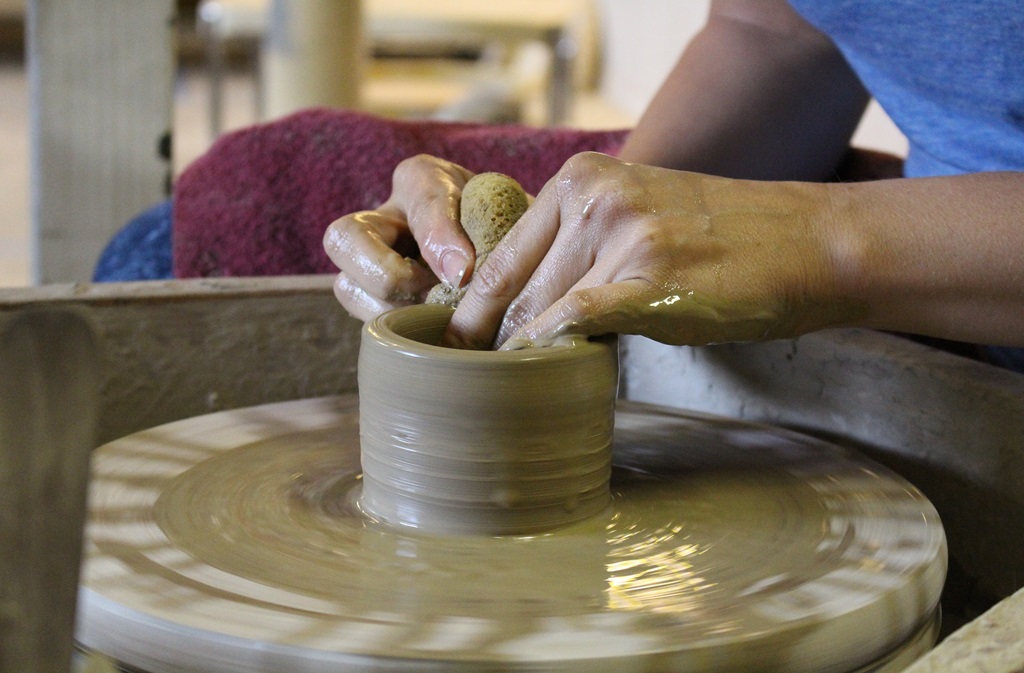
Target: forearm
[(937, 256), (758, 94)]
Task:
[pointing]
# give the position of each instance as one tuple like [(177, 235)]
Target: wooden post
[(313, 55), (100, 77), (48, 399)]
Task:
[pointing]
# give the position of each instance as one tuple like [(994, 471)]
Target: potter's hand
[(378, 250), (680, 257)]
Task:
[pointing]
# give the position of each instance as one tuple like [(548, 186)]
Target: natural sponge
[(491, 203)]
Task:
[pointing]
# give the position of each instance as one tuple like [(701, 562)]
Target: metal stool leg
[(211, 17)]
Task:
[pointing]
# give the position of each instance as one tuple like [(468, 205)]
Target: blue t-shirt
[(950, 74)]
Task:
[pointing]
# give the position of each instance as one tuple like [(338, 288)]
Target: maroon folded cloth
[(258, 202)]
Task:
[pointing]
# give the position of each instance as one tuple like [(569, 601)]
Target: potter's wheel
[(234, 542)]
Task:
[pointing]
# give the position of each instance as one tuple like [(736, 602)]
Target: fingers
[(362, 245), (359, 303), (427, 191), (590, 310), (599, 294), (508, 269), (393, 255), (569, 264), (637, 306), (548, 309)]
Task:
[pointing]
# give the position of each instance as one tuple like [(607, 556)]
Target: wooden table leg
[(48, 399)]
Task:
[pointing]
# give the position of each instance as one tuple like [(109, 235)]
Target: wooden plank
[(989, 644), (47, 409), (100, 73), (171, 350)]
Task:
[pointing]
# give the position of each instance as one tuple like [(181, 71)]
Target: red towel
[(258, 202)]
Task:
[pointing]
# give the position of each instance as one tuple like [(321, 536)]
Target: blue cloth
[(141, 250), (950, 74), (1007, 358)]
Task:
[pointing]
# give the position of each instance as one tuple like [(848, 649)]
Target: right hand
[(683, 258), (393, 255)]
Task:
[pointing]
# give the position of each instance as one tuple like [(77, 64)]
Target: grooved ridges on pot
[(482, 442)]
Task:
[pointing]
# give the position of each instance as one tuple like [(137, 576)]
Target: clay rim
[(390, 329)]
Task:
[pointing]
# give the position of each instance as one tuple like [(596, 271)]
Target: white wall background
[(641, 41)]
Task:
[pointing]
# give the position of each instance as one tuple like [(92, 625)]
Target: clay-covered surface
[(238, 537), (951, 425)]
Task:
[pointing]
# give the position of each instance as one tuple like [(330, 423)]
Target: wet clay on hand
[(491, 203)]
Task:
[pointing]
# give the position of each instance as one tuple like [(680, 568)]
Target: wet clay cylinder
[(482, 442)]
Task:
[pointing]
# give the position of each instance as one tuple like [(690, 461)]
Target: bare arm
[(758, 94), (938, 256)]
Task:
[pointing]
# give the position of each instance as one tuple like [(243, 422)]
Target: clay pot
[(482, 442)]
